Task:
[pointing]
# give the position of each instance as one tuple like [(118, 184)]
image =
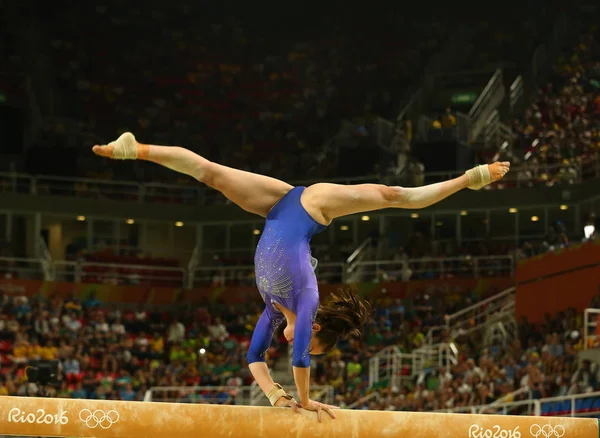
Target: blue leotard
[(285, 274)]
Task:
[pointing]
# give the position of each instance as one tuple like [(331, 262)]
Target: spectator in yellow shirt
[(35, 350), (20, 352), (157, 344), (49, 351), (448, 119)]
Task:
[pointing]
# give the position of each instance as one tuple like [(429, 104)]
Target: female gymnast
[(284, 268)]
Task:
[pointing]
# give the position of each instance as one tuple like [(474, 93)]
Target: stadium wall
[(556, 281)]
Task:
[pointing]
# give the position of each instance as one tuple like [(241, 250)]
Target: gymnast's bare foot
[(123, 148), (481, 176), (498, 170)]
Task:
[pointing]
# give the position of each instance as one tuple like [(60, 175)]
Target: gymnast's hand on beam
[(284, 402), (319, 408)]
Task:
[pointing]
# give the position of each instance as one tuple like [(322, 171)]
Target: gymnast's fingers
[(295, 407), (329, 411), (320, 413)]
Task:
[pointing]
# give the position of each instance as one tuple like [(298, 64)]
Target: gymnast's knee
[(391, 195), (207, 173)]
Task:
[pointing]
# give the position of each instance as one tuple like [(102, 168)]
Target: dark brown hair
[(342, 316)]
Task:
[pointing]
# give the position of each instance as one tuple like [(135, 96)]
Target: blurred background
[(139, 281)]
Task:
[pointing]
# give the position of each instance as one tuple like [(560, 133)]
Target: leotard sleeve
[(306, 311), (262, 337)]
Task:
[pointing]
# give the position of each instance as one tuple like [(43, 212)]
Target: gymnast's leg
[(252, 192), (324, 202)]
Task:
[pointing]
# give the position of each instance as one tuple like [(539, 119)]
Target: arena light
[(534, 218), (414, 215), (344, 228), (81, 218), (202, 351), (464, 213), (365, 218), (512, 210), (130, 221), (256, 232), (564, 207), (179, 224)]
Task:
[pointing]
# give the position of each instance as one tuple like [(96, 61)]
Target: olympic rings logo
[(547, 431), (98, 418)]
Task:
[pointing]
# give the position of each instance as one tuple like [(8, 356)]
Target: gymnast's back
[(283, 263)]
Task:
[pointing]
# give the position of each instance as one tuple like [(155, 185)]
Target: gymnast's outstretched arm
[(325, 202), (252, 192)]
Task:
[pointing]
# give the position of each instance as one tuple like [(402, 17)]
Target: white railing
[(196, 194), (431, 357), (24, 268), (116, 273), (580, 405), (591, 319), (522, 407), (112, 273), (355, 259), (244, 275), (380, 270), (439, 267), (389, 365), (474, 317), (362, 400), (239, 395)]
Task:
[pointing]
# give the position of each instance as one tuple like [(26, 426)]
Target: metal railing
[(112, 273), (356, 259), (24, 268), (474, 317), (580, 405), (591, 319), (439, 267), (427, 267), (390, 366), (117, 273), (128, 191), (362, 400), (238, 395), (432, 357)]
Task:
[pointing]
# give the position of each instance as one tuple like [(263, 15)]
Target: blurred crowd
[(118, 354), (237, 84), (541, 362), (558, 139)]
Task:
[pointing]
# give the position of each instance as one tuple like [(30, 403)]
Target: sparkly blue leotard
[(285, 274)]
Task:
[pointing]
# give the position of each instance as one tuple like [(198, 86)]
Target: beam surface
[(99, 418)]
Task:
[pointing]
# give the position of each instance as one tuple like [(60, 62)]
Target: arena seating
[(558, 139), (226, 86), (118, 354)]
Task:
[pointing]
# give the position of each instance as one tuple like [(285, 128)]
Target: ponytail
[(342, 316)]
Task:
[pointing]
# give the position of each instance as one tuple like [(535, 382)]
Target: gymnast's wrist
[(276, 393)]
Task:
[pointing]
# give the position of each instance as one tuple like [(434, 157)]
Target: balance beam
[(98, 418)]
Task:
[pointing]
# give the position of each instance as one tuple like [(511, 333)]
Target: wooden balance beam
[(55, 417)]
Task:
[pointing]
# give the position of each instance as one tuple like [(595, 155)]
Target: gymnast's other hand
[(319, 408), (284, 402)]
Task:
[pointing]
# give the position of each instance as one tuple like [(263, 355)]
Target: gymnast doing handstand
[(284, 267)]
